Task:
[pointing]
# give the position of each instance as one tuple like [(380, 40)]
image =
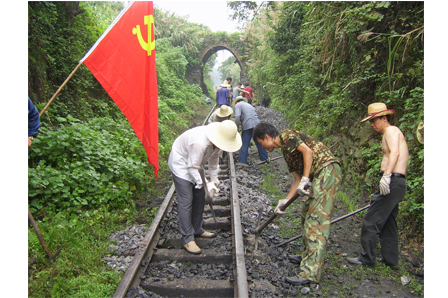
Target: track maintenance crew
[(379, 220), (312, 165), (190, 151)]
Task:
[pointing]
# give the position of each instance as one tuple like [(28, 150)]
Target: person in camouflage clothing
[(313, 166)]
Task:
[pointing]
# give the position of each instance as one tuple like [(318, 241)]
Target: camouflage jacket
[(291, 139)]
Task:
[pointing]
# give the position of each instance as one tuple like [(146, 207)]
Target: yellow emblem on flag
[(150, 45)]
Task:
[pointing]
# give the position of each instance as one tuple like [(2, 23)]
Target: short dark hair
[(228, 79), (262, 129), (247, 84)]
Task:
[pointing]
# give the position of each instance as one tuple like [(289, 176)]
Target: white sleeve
[(195, 155)]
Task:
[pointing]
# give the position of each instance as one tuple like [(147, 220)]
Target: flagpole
[(60, 88), (87, 54)]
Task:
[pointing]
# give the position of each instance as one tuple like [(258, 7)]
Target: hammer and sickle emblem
[(150, 45)]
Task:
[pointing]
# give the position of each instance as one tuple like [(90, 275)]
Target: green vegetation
[(323, 63), (87, 170)]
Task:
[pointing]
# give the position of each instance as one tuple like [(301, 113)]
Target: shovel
[(208, 196), (332, 222)]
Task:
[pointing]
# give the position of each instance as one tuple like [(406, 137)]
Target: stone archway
[(213, 44)]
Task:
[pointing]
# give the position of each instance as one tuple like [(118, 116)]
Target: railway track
[(161, 266)]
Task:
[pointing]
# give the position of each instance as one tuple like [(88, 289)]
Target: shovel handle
[(273, 216)]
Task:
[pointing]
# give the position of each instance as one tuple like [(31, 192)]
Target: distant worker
[(379, 220), (33, 122), (237, 91), (312, 165), (249, 93), (190, 152), (223, 95), (246, 118), (221, 114)]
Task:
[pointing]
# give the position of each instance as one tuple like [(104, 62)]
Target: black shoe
[(298, 280), (295, 259), (355, 261), (393, 267)]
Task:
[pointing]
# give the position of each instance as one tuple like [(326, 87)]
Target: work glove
[(211, 186), (215, 180), (277, 210), (385, 184), (304, 183)]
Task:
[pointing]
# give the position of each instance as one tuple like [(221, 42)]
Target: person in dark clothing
[(33, 122), (379, 220)]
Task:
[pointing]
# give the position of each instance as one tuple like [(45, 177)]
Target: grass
[(340, 278), (78, 271)]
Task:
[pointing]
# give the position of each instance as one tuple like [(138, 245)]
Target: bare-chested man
[(379, 221)]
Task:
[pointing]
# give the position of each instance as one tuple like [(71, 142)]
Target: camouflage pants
[(316, 218)]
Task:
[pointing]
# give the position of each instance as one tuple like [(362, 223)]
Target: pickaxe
[(332, 222)]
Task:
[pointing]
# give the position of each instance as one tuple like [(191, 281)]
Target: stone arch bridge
[(213, 43)]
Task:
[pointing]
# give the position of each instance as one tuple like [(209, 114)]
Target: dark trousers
[(379, 222), (190, 204)]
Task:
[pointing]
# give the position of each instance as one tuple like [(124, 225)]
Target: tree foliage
[(322, 63), (87, 155)]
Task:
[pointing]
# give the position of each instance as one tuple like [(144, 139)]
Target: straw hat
[(238, 98), (420, 132), (224, 111), (377, 109), (224, 135), (225, 85)]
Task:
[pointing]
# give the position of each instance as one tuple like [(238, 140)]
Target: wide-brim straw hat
[(238, 98), (377, 109), (225, 85), (224, 135), (224, 111), (420, 133)]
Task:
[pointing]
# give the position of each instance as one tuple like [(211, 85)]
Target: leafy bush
[(97, 163)]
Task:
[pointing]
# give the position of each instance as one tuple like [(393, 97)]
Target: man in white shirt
[(190, 151)]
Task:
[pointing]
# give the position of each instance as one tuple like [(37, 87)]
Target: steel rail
[(241, 286), (130, 273), (148, 245)]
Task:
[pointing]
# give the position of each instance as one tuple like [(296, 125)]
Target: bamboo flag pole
[(60, 88)]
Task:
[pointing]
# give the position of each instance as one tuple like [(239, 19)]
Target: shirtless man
[(379, 221)]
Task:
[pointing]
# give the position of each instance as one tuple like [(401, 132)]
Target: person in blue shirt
[(246, 117), (223, 95), (33, 122)]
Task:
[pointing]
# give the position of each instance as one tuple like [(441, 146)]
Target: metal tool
[(208, 196), (332, 222), (268, 160), (273, 216), (260, 212), (41, 239)]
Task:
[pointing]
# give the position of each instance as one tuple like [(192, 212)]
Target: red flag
[(123, 60)]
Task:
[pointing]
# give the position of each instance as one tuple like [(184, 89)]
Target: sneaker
[(207, 235), (192, 248), (242, 164), (355, 261)]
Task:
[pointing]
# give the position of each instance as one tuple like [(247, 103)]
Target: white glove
[(198, 186), (215, 180), (211, 186), (302, 185), (277, 210), (385, 184)]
